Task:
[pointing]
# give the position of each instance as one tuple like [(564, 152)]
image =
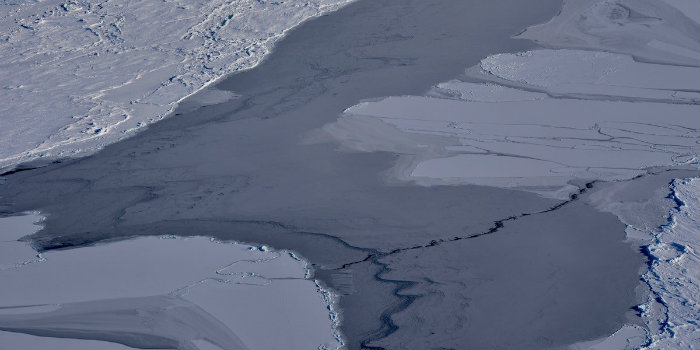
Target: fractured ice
[(672, 311), (536, 120)]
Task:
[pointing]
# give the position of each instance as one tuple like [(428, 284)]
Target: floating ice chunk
[(625, 26), (673, 309)]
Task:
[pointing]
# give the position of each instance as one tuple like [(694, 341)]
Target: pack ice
[(78, 75)]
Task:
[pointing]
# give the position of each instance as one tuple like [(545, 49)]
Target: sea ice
[(192, 291), (656, 31), (78, 75), (538, 119), (14, 253), (594, 74), (672, 312), (533, 143)]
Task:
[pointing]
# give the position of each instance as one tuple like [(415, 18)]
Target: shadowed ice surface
[(245, 170)]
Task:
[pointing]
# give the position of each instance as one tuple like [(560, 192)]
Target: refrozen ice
[(539, 143), (537, 120), (655, 31), (193, 291), (672, 311)]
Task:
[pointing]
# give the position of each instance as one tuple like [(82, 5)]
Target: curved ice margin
[(329, 298), (76, 76), (672, 311)]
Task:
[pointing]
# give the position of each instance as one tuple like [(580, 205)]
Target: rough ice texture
[(672, 312), (534, 142), (191, 292), (76, 75)]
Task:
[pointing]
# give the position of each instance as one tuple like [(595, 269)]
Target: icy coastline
[(672, 310), (77, 75), (194, 293)]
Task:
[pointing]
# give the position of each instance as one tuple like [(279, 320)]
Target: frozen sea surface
[(537, 120), (673, 308), (188, 292), (613, 96), (602, 122), (657, 31), (415, 264), (77, 75)]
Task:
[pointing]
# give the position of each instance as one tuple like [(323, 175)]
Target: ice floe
[(533, 142), (613, 94), (160, 292), (77, 75), (536, 120)]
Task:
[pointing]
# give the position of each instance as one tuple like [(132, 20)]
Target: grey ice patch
[(142, 322), (654, 31), (167, 292), (206, 97), (336, 207)]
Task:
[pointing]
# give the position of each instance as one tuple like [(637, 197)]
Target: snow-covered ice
[(193, 292), (77, 75), (672, 311)]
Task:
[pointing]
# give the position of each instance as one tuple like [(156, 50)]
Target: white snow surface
[(606, 101), (673, 309), (663, 31), (77, 75), (205, 293)]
